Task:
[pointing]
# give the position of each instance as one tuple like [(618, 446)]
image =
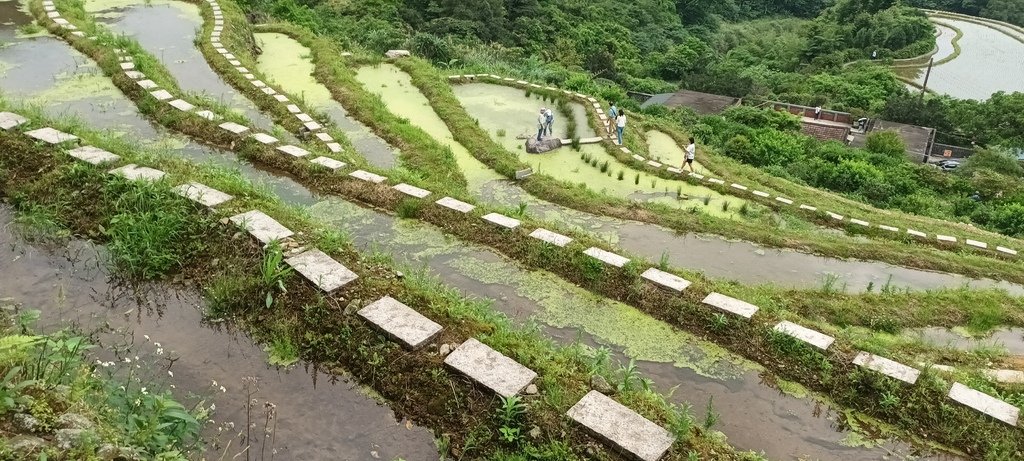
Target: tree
[(887, 143)]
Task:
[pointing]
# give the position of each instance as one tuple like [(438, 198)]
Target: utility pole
[(924, 88)]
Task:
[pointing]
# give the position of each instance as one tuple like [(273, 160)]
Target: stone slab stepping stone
[(147, 84), (621, 427), (49, 8), (784, 200), (61, 21), (1006, 251), (182, 105), (313, 126), (243, 70), (52, 14), (268, 91), (553, 238), (412, 190), (234, 127), (401, 322), (202, 194), (888, 228), (985, 403), (887, 367), (975, 243), (127, 65), (261, 227), (675, 170), (807, 335), (761, 194), (606, 257), (638, 158), (292, 108), (665, 280), (946, 238), (916, 233), (79, 33), (859, 222), (837, 217), (367, 176), (715, 181), (329, 163), (457, 205), (334, 147), (492, 369), (294, 151), (731, 305), (93, 155), (52, 136), (162, 95), (303, 117), (133, 172), (808, 207), (626, 150), (324, 137), (209, 115), (134, 74), (654, 164), (321, 269), (10, 120), (502, 220), (264, 138), (697, 175), (281, 98), (249, 76), (1005, 376), (738, 186), (258, 84)]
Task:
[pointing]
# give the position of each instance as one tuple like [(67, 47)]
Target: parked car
[(949, 165)]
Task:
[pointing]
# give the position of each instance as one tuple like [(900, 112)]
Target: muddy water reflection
[(319, 417), (168, 32), (753, 415)]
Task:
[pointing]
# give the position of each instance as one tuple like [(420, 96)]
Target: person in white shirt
[(691, 153), (549, 121), (542, 121), (620, 124)]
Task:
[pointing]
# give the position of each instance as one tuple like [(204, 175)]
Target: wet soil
[(319, 416)]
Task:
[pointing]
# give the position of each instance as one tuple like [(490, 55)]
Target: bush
[(432, 47), (886, 143)]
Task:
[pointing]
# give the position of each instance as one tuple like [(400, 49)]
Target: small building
[(701, 103)]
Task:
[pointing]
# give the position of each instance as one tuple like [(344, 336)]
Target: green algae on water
[(642, 337)]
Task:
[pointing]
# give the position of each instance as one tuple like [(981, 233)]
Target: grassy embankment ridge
[(276, 158), (251, 287)]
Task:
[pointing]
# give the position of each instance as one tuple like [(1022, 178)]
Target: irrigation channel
[(989, 61), (753, 415)]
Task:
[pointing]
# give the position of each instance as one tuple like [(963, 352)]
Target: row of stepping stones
[(307, 121), (945, 239), (610, 421)]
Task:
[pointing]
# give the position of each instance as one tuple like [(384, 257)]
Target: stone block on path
[(133, 172), (457, 205), (985, 403), (654, 164), (401, 322), (837, 217), (261, 227), (807, 335), (127, 66), (181, 105), (162, 95), (946, 238), (638, 158), (784, 200), (313, 126), (334, 147), (264, 138), (1005, 376), (293, 109), (367, 176), (209, 115), (10, 120), (976, 244), (731, 305), (281, 98), (1006, 251), (294, 151), (321, 269), (761, 194), (916, 233), (134, 74), (665, 280), (52, 136), (887, 367), (412, 191), (715, 181), (621, 427), (808, 207), (329, 163), (738, 186), (490, 368), (324, 137), (888, 228), (606, 257), (202, 194), (860, 222), (233, 127), (502, 220), (303, 117), (93, 155), (553, 238)]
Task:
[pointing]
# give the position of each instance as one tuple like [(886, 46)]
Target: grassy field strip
[(824, 217), (762, 328), (273, 235)]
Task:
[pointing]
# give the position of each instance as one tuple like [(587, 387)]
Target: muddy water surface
[(168, 32), (288, 63), (754, 416), (319, 417)]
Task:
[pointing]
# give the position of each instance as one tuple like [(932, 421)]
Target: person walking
[(541, 123), (549, 121), (817, 113), (620, 124), (613, 113), (691, 153)]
